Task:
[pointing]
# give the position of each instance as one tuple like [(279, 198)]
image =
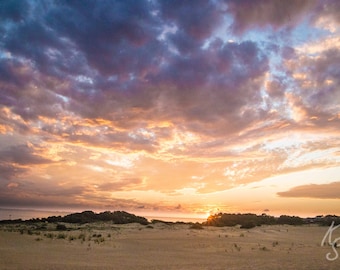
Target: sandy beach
[(162, 246)]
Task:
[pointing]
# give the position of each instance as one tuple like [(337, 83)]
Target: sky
[(174, 108)]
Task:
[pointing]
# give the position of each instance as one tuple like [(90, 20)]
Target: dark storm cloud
[(111, 34), (198, 19), (112, 60), (217, 84), (13, 10)]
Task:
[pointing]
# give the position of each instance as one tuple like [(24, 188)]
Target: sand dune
[(161, 246)]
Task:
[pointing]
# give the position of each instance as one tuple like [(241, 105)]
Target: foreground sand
[(161, 246)]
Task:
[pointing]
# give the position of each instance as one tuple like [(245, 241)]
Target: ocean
[(26, 214)]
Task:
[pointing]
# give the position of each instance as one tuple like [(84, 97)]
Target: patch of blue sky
[(222, 33), (306, 33)]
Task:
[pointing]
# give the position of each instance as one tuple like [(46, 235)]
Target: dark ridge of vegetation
[(116, 217), (325, 220), (11, 221), (248, 221), (290, 220), (196, 226)]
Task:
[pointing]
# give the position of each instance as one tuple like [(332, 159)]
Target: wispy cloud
[(322, 191)]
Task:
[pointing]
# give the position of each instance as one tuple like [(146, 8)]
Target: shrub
[(61, 236), (61, 227), (49, 235), (99, 240), (196, 226), (81, 236)]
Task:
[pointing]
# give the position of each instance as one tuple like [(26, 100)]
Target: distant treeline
[(116, 217), (248, 221)]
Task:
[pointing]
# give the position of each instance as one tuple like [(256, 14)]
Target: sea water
[(25, 214)]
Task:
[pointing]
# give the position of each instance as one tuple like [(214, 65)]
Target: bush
[(61, 227), (81, 236), (49, 235), (196, 226), (248, 225), (99, 240), (61, 236)]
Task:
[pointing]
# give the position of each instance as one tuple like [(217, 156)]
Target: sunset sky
[(174, 108)]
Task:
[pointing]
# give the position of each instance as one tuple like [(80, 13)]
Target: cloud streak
[(326, 191)]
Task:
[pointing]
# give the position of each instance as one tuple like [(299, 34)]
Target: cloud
[(198, 20), (250, 14), (321, 191), (164, 95), (22, 155), (133, 69), (122, 184), (14, 11), (9, 171), (15, 160), (329, 9), (317, 80), (110, 35)]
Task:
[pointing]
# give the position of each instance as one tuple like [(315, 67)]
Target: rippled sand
[(161, 246)]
